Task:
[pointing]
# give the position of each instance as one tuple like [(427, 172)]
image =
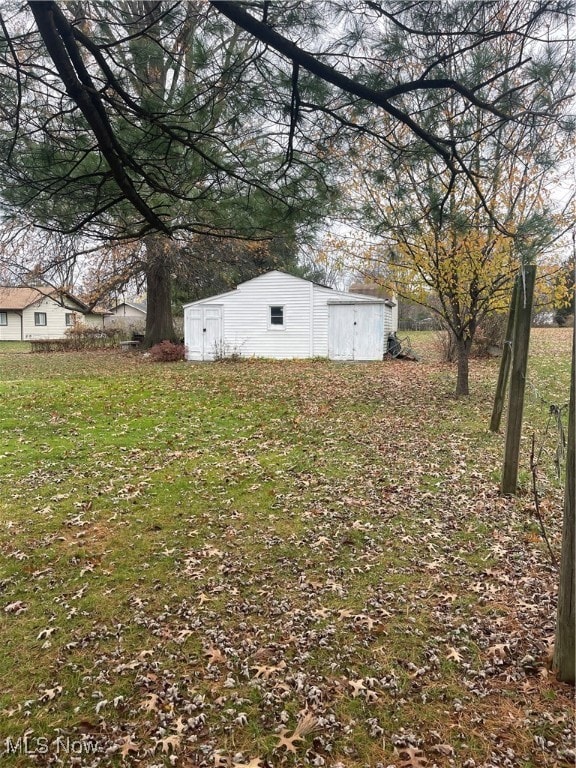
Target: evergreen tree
[(158, 130)]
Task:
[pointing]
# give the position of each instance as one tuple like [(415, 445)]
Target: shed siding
[(390, 325), (246, 329), (125, 317)]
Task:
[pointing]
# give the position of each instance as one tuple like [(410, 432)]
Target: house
[(31, 313), (278, 315), (128, 315)]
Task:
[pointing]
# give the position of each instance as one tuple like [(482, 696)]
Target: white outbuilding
[(278, 315)]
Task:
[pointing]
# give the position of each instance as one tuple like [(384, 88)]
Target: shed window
[(40, 318), (277, 316), (70, 319), (3, 318)]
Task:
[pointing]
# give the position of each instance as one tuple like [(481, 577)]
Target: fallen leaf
[(454, 654), (169, 743), (415, 759), (150, 703), (215, 656), (128, 746)]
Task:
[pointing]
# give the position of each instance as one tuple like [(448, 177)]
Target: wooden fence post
[(565, 645), (504, 373), (518, 381)]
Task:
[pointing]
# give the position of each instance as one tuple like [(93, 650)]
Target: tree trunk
[(504, 373), (565, 645), (159, 321), (463, 347), (518, 382)]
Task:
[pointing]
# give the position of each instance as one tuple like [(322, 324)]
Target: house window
[(3, 318), (40, 318), (69, 319), (276, 317)]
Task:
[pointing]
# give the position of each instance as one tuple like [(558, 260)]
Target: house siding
[(13, 330), (20, 305), (92, 319), (125, 310), (55, 327)]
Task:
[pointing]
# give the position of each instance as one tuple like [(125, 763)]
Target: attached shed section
[(280, 316), (127, 316)]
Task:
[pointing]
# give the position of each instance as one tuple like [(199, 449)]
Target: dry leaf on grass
[(357, 686), (128, 746), (444, 749), (215, 656), (454, 654), (169, 743), (150, 703), (307, 724), (415, 759), (50, 693), (266, 672)]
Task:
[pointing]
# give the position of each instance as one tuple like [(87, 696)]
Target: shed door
[(341, 332), (369, 332), (212, 332), (355, 331), (203, 332)]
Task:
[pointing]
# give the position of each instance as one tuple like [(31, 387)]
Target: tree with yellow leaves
[(461, 243)]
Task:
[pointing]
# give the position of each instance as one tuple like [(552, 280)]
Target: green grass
[(204, 552), (12, 347)]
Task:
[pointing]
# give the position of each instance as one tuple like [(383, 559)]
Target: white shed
[(278, 315)]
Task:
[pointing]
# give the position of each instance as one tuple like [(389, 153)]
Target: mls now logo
[(42, 745)]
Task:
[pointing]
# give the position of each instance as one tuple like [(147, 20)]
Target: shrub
[(167, 352), (489, 336), (225, 353), (445, 346), (82, 336), (488, 339)]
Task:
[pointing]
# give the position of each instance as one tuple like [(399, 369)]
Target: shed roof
[(333, 291)]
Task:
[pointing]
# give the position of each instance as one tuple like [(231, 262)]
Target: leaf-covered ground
[(275, 563)]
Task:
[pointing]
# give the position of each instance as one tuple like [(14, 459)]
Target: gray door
[(341, 331), (356, 331), (369, 332)]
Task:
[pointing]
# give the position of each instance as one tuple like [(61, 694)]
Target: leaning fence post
[(505, 361), (518, 381)]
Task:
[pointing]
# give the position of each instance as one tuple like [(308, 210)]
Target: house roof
[(18, 298), (141, 306)]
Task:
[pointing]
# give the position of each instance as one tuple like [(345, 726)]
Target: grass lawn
[(10, 347), (275, 563)]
